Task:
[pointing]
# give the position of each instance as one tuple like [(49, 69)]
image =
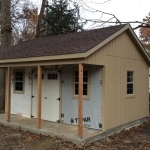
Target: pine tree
[(58, 19)]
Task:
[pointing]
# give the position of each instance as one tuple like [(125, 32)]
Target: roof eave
[(86, 54), (65, 56)]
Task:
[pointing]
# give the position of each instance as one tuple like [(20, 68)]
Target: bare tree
[(24, 22), (40, 18)]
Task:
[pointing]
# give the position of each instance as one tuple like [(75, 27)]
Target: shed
[(96, 78)]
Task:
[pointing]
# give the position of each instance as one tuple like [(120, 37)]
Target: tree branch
[(40, 18)]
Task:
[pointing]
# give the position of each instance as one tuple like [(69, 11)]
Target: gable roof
[(67, 46), (72, 43)]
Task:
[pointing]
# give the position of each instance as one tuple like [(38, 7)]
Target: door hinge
[(58, 121), (32, 96), (32, 116), (58, 99)]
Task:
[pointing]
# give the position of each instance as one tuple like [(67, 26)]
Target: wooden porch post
[(8, 93), (39, 98), (80, 102)]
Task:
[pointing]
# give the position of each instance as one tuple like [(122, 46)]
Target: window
[(19, 81), (130, 82), (52, 76), (85, 84)]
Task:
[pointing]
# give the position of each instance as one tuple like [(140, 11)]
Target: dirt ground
[(131, 139)]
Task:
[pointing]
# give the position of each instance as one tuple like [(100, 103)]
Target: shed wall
[(118, 56), (21, 103), (92, 107)]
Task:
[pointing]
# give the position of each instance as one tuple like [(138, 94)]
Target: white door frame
[(60, 90)]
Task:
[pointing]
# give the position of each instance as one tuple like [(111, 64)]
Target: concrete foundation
[(65, 131)]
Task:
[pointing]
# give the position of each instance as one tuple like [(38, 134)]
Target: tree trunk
[(6, 24), (5, 43), (40, 19)]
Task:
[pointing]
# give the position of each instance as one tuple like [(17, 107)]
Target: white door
[(50, 96)]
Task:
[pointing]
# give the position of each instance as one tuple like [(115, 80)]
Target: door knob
[(45, 97)]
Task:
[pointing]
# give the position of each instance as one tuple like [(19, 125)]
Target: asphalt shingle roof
[(79, 42)]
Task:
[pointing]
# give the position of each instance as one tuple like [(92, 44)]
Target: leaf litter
[(135, 138)]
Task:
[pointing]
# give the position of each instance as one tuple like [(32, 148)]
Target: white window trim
[(130, 95), (86, 97)]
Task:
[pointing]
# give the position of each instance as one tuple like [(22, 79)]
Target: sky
[(124, 10)]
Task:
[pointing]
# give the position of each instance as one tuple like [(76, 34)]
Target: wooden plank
[(39, 98), (80, 102), (8, 93)]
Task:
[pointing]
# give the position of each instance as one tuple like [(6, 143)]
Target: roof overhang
[(127, 28)]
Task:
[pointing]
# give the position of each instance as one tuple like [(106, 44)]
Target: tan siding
[(117, 57)]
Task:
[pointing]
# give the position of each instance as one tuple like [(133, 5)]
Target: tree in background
[(5, 24), (5, 43), (19, 20), (24, 21), (145, 33), (58, 19)]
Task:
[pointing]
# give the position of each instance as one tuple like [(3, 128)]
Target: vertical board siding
[(117, 57)]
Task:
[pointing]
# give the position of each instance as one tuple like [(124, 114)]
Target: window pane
[(128, 91), (130, 88), (76, 91), (131, 73), (21, 78), (84, 92), (76, 86), (16, 73), (85, 79), (76, 79), (85, 73), (131, 91), (128, 73), (84, 86), (19, 86), (76, 73), (129, 79), (17, 78), (52, 76)]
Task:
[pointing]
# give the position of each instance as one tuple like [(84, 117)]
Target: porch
[(64, 131), (52, 93)]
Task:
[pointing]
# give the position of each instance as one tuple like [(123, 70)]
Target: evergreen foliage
[(58, 19)]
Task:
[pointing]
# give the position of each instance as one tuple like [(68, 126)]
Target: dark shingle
[(79, 42)]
